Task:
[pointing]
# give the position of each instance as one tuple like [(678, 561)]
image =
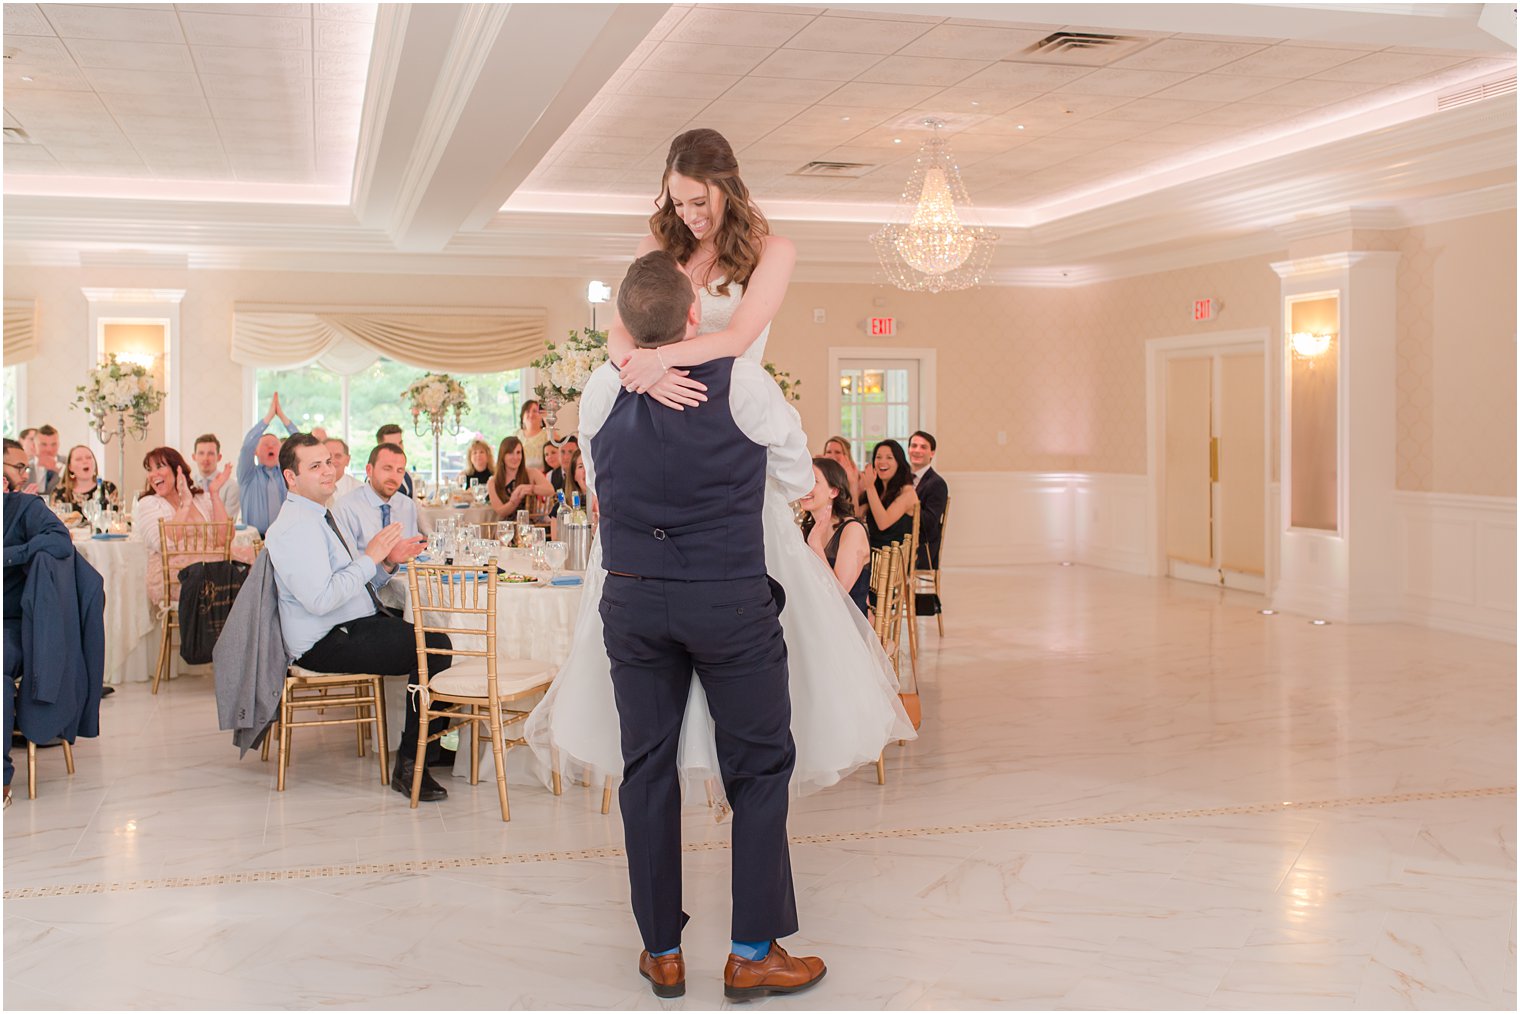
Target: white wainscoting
[(1457, 562), (1001, 518)]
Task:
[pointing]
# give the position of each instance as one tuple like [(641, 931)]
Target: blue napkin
[(108, 536), (566, 581)]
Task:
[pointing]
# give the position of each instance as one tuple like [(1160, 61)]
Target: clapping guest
[(390, 433), (330, 615), (377, 503), (933, 494), (171, 495), (515, 484), (346, 483), (889, 497), (261, 489), (81, 482), (478, 460), (835, 533), (207, 454), (838, 450)]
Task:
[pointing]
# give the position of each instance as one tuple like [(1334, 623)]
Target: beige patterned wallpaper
[(1060, 372)]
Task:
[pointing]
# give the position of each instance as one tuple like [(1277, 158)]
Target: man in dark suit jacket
[(933, 495)]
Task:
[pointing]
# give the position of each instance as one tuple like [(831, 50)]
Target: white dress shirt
[(358, 514), (231, 499), (346, 485), (757, 405), (319, 578)]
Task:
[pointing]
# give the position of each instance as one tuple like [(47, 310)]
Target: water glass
[(555, 554)]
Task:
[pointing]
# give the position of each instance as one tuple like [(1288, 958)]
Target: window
[(14, 379), (877, 401), (354, 407)]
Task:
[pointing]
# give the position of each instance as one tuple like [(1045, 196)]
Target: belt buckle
[(659, 533)]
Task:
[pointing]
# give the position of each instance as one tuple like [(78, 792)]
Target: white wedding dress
[(845, 707)]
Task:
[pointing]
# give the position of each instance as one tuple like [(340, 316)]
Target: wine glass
[(555, 554), (420, 488)]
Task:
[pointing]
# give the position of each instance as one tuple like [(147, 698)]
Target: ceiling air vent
[(835, 170), (15, 135), (1087, 49), (1477, 93)]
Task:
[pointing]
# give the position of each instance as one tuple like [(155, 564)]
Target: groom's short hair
[(654, 300)]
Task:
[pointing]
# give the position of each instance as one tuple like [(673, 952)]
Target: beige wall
[(1060, 371)]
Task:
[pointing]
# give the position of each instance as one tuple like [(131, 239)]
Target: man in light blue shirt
[(260, 484), (330, 616), (363, 512)]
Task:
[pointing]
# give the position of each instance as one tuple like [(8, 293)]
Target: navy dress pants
[(12, 674), (658, 632)]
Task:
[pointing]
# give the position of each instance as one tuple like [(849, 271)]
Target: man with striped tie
[(362, 512)]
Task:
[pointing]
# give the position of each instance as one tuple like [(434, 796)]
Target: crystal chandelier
[(935, 251)]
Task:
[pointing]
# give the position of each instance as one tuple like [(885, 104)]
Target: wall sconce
[(143, 359), (597, 292), (1306, 345)]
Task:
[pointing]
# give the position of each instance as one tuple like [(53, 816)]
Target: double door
[(1215, 469)]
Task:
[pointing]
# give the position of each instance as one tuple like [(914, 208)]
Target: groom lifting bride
[(683, 546)]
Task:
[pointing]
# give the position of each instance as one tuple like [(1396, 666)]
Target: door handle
[(1213, 459)]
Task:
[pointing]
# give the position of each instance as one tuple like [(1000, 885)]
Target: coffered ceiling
[(529, 138)]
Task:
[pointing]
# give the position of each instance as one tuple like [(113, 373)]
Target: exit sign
[(883, 327), (1205, 309)]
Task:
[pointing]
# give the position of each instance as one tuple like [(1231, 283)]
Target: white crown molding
[(1467, 204), (133, 295), (1324, 264), (384, 67)]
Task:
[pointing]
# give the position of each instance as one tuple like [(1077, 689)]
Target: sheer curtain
[(20, 330)]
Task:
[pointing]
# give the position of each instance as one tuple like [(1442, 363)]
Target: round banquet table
[(129, 618), (532, 621), (427, 516)]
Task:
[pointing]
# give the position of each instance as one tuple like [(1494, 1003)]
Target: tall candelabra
[(119, 434), (436, 423)]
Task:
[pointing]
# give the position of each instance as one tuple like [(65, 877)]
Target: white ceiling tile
[(1187, 56), (229, 86), (59, 136), (140, 82), (183, 104), (347, 93), (1028, 77), (160, 127), (25, 19), (247, 31), (230, 112), (858, 117), (1158, 110), (922, 70), (1313, 92), (767, 115), (1366, 47), (625, 126), (64, 79), (780, 89), (1067, 107), (979, 99), (672, 109), (273, 130), (806, 64), (1388, 68), (123, 24), (627, 147), (664, 84), (235, 61), (720, 27), (1244, 114), (1111, 130), (89, 154), (694, 58), (668, 21), (344, 36), (860, 93), (1135, 83), (854, 35), (802, 134), (1219, 87), (28, 155), (270, 10), (149, 56), (1192, 134), (36, 51), (973, 43), (1290, 61), (341, 66), (344, 12), (1148, 151)]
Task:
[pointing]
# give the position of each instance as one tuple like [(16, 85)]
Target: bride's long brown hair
[(704, 155)]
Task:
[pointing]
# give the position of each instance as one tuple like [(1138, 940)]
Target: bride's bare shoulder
[(649, 244)]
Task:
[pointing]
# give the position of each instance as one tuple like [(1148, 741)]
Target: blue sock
[(661, 954), (751, 950)]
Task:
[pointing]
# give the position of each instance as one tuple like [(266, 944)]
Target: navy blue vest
[(681, 493)]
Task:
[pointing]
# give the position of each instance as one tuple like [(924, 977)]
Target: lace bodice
[(718, 310)]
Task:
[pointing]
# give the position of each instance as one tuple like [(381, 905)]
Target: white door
[(878, 400)]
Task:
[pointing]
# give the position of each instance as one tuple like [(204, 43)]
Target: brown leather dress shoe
[(777, 972), (666, 974)]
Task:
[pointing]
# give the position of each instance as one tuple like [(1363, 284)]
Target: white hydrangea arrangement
[(565, 369), (436, 395), (117, 388)]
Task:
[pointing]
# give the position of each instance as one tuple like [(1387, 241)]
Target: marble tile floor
[(1128, 793)]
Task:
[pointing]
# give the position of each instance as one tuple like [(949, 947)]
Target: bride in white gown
[(845, 707)]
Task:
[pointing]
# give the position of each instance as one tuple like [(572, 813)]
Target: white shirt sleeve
[(763, 414), (596, 405)]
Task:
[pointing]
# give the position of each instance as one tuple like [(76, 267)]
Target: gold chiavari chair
[(887, 614), (482, 688), (926, 579), (182, 543), (490, 530), (909, 549), (306, 690), (31, 765)]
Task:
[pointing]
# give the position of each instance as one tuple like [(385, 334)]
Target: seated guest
[(515, 484), (933, 494), (390, 433), (552, 461), (320, 432), (478, 460), (835, 533), (81, 482), (377, 504), (207, 454), (565, 448), (575, 479), (330, 616), (171, 495), (36, 478), (30, 528), (260, 487), (838, 449), (47, 457), (340, 459), (889, 498), (533, 434)]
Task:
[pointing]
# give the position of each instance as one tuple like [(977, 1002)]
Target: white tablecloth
[(531, 622), (129, 616), (427, 516)]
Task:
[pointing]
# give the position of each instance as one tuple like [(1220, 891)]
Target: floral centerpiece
[(790, 389), (433, 397), (124, 390), (566, 368)]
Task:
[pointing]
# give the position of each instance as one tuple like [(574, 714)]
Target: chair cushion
[(467, 677)]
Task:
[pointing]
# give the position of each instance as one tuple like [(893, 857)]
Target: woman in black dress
[(888, 502), (834, 533)]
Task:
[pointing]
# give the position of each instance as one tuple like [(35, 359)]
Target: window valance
[(20, 330), (345, 340)]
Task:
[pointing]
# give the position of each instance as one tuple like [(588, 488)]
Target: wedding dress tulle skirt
[(845, 707)]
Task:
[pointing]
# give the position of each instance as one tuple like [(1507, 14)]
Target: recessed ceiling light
[(974, 102), (26, 78), (844, 119), (1267, 612), (897, 140), (1319, 623), (1021, 126)]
